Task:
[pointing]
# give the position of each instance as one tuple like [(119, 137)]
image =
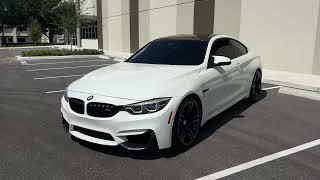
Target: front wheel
[(255, 91), (186, 124)]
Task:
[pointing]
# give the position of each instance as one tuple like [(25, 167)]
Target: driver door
[(220, 84)]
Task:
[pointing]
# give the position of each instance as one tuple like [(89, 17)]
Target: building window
[(10, 39), (89, 29), (21, 40)]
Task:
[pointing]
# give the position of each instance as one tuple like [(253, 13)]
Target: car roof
[(202, 37)]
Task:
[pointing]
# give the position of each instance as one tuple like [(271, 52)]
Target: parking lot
[(34, 145)]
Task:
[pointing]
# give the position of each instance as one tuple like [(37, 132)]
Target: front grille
[(92, 133), (96, 109), (77, 105)]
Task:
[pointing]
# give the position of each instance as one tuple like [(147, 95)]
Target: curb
[(293, 85), (26, 47), (118, 59), (117, 56), (30, 58), (300, 93)]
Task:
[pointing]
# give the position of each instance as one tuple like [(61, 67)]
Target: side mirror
[(221, 60)]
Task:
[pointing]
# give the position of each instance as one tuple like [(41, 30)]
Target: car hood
[(135, 81)]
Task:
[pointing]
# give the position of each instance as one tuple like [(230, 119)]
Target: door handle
[(238, 65)]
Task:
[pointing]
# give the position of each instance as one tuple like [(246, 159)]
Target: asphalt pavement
[(33, 144)]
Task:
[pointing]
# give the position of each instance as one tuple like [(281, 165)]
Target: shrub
[(61, 52)]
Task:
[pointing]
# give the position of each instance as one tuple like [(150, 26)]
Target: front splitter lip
[(152, 143), (93, 139)]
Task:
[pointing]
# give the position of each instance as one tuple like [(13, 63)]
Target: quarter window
[(228, 48), (221, 47), (238, 48)]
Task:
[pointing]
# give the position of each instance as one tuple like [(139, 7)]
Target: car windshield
[(172, 52)]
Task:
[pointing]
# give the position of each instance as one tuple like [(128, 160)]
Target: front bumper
[(134, 132)]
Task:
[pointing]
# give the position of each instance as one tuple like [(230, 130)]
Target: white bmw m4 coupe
[(163, 94)]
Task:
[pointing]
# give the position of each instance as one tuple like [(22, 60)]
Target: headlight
[(65, 95), (147, 107)]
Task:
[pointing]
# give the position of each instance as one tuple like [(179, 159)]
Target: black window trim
[(210, 54), (241, 44)]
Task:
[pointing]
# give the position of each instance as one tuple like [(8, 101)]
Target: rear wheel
[(186, 124), (255, 92)]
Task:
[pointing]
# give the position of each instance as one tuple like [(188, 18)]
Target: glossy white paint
[(125, 83)]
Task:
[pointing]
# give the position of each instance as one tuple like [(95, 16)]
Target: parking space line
[(67, 62), (51, 92), (56, 77), (260, 161), (269, 88), (70, 67), (24, 63)]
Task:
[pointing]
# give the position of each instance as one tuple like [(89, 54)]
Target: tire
[(255, 90), (186, 124)]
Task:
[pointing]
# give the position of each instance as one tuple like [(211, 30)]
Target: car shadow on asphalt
[(207, 130)]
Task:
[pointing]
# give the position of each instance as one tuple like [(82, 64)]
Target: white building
[(286, 33), (18, 35)]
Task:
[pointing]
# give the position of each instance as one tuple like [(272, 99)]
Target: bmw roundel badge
[(89, 98)]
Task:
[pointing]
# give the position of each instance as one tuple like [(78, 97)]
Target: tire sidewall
[(251, 97)]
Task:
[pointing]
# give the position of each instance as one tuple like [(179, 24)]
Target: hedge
[(61, 52)]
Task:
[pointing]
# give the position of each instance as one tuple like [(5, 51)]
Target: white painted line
[(65, 62), (23, 63), (55, 77), (269, 88), (260, 161), (73, 67), (51, 92)]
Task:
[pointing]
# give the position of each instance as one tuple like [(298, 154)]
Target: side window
[(221, 47), (238, 48)]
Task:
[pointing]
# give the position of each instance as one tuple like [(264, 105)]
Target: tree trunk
[(3, 40), (70, 38), (66, 37), (78, 31), (51, 37)]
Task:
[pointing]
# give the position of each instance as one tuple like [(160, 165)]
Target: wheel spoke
[(190, 133), (182, 136), (190, 108), (195, 118)]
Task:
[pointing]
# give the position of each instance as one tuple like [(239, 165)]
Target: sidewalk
[(293, 80), (296, 84)]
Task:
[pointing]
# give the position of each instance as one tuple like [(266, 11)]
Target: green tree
[(12, 13), (48, 14), (70, 17), (34, 30)]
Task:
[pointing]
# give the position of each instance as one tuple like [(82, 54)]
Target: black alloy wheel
[(187, 123)]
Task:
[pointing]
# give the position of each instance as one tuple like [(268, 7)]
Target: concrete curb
[(112, 58), (293, 85), (117, 56), (27, 47), (300, 93), (20, 58)]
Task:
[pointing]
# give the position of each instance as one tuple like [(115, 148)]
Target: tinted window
[(172, 52), (221, 47), (238, 48)]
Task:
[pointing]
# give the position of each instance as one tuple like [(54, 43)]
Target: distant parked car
[(162, 94)]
